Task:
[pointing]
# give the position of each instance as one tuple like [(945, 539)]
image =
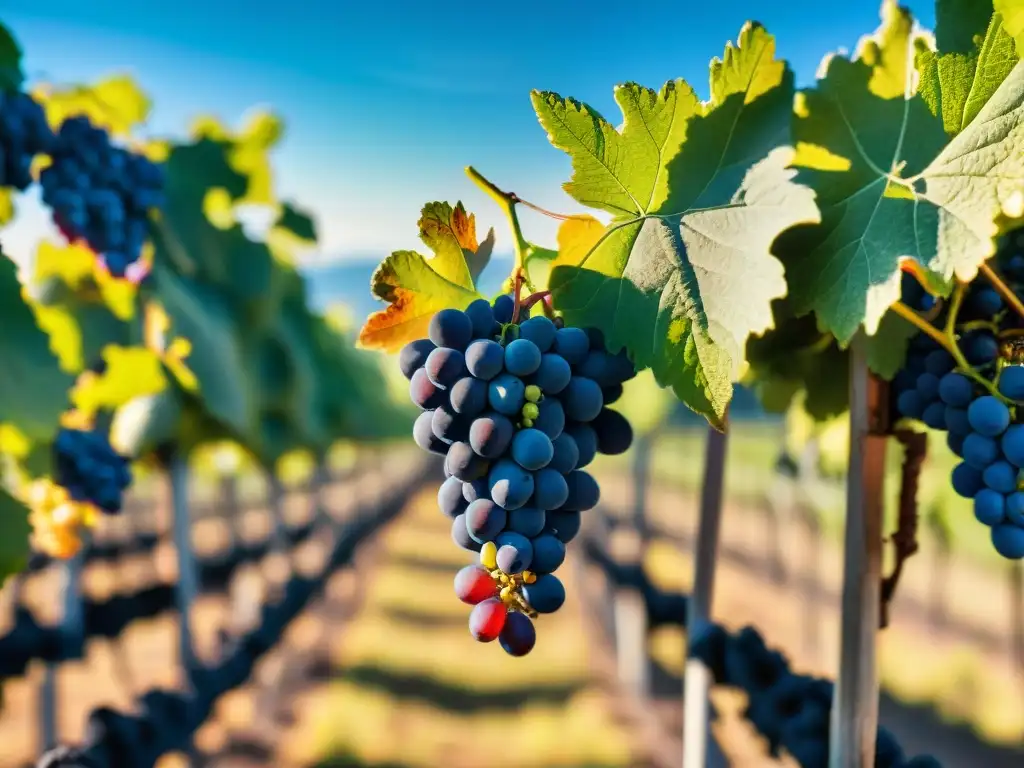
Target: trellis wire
[(699, 749), (854, 723)]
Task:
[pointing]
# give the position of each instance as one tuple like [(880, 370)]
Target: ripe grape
[(464, 464), (522, 357), (1015, 508), (550, 489), (532, 449), (980, 451), (504, 306), (553, 374), (583, 399), (487, 620), (564, 525), (565, 455), (956, 389), (614, 434), (957, 422), (1008, 541), (414, 355), (423, 434), (515, 552), (485, 520), (424, 393), (611, 393), (1011, 382), (476, 490), (966, 480), (988, 416), (1001, 476), (572, 344), (606, 370), (469, 396), (528, 521), (548, 553), (540, 331), (474, 584), (445, 366), (989, 507), (518, 636), (490, 435), (506, 394), (485, 359), (584, 492), (586, 443), (482, 319), (448, 426), (979, 347), (450, 497), (546, 594), (550, 417), (511, 485), (450, 328), (460, 535)]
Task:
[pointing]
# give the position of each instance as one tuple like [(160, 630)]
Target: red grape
[(487, 620), (473, 584)]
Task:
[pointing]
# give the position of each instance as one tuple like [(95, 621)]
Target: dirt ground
[(381, 671)]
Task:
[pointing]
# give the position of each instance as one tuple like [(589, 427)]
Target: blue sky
[(386, 102)]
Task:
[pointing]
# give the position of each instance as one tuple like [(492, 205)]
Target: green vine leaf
[(1012, 12), (890, 182), (14, 536), (11, 75), (698, 192)]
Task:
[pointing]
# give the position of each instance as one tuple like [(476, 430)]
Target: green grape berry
[(527, 423), (531, 411), (533, 393)]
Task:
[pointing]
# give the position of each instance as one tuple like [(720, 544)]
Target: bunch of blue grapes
[(90, 469), (979, 405), (517, 410), (101, 193), (24, 134), (792, 711)]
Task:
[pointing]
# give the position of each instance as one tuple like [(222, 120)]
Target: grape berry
[(517, 410)]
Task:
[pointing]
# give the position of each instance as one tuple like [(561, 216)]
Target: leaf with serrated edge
[(890, 183), (698, 191), (416, 287), (1012, 12)]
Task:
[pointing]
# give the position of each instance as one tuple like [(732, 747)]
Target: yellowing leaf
[(177, 352), (65, 335), (577, 236), (115, 103), (417, 287), (13, 441), (130, 372), (73, 263)]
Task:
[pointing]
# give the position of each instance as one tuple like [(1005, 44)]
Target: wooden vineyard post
[(627, 545), (854, 725), (187, 586), (699, 749), (72, 634)]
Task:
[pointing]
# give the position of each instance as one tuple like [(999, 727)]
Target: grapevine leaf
[(130, 372), (115, 103), (11, 75), (416, 287), (14, 535), (795, 356), (890, 183), (1012, 12), (143, 424), (698, 192), (956, 85), (33, 388), (887, 349), (959, 22), (298, 222)]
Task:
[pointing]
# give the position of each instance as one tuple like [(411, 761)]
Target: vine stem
[(945, 338), (507, 202), (1002, 288)]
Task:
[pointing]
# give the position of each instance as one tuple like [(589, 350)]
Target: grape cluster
[(517, 410), (90, 469), (24, 133), (977, 400), (790, 710), (101, 193)]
